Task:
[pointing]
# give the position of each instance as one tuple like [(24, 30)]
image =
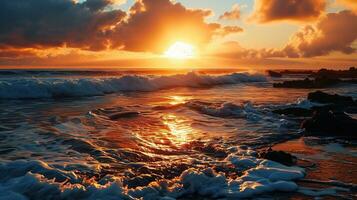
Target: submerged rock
[(278, 156), (294, 111), (124, 114), (214, 150), (330, 123), (274, 74), (114, 113), (319, 82), (333, 102), (322, 97)]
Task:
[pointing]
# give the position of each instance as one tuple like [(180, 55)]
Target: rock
[(297, 72), (294, 111), (125, 114), (140, 180), (350, 73), (211, 149), (278, 156), (274, 74), (309, 83), (329, 123), (322, 97)]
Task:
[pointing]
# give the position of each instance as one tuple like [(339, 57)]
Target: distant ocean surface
[(95, 134)]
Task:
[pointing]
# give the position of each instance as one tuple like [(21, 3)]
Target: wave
[(32, 88), (39, 180), (226, 110)]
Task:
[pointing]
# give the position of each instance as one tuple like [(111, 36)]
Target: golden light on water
[(180, 50), (178, 129), (176, 100)]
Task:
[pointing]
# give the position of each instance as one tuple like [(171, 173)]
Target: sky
[(254, 34)]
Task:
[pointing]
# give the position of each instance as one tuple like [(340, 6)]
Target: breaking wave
[(39, 180), (32, 88)]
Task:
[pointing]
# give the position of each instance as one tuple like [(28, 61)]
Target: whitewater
[(77, 87), (110, 135)]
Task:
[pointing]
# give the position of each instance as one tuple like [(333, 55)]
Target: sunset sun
[(180, 50)]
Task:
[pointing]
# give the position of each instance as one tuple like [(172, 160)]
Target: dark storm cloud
[(297, 10), (96, 5), (52, 23)]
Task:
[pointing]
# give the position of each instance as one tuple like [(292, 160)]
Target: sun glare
[(180, 50)]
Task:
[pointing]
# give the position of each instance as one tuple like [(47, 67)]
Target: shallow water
[(96, 137)]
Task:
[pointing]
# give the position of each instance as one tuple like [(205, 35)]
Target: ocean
[(110, 134)]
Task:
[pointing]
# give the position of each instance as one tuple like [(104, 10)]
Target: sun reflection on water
[(176, 100), (179, 131)]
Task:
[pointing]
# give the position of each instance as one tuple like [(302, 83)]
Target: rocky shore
[(320, 79), (331, 118), (327, 148)]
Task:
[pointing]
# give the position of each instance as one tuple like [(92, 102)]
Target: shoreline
[(331, 167)]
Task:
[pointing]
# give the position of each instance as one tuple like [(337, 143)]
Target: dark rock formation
[(322, 79), (124, 114), (294, 111), (329, 119), (278, 156), (308, 83), (274, 74), (351, 73), (330, 123), (322, 97), (297, 72)]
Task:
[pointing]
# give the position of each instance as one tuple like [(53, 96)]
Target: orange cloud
[(153, 25), (350, 4), (296, 10), (149, 26), (226, 30), (335, 32), (234, 14)]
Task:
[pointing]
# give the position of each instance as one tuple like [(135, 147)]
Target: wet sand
[(329, 164)]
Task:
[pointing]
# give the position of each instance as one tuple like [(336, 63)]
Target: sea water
[(129, 135)]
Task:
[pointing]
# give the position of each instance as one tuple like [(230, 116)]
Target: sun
[(180, 50)]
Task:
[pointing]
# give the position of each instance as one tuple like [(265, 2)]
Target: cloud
[(227, 30), (53, 23), (350, 4), (153, 25), (334, 32), (15, 53), (149, 25), (296, 10), (234, 14)]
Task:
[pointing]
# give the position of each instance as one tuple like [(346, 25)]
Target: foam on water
[(227, 109), (246, 111), (36, 179), (27, 88), (169, 144)]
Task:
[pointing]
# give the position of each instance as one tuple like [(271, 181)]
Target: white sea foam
[(304, 103), (24, 88), (36, 179), (246, 111), (229, 110)]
